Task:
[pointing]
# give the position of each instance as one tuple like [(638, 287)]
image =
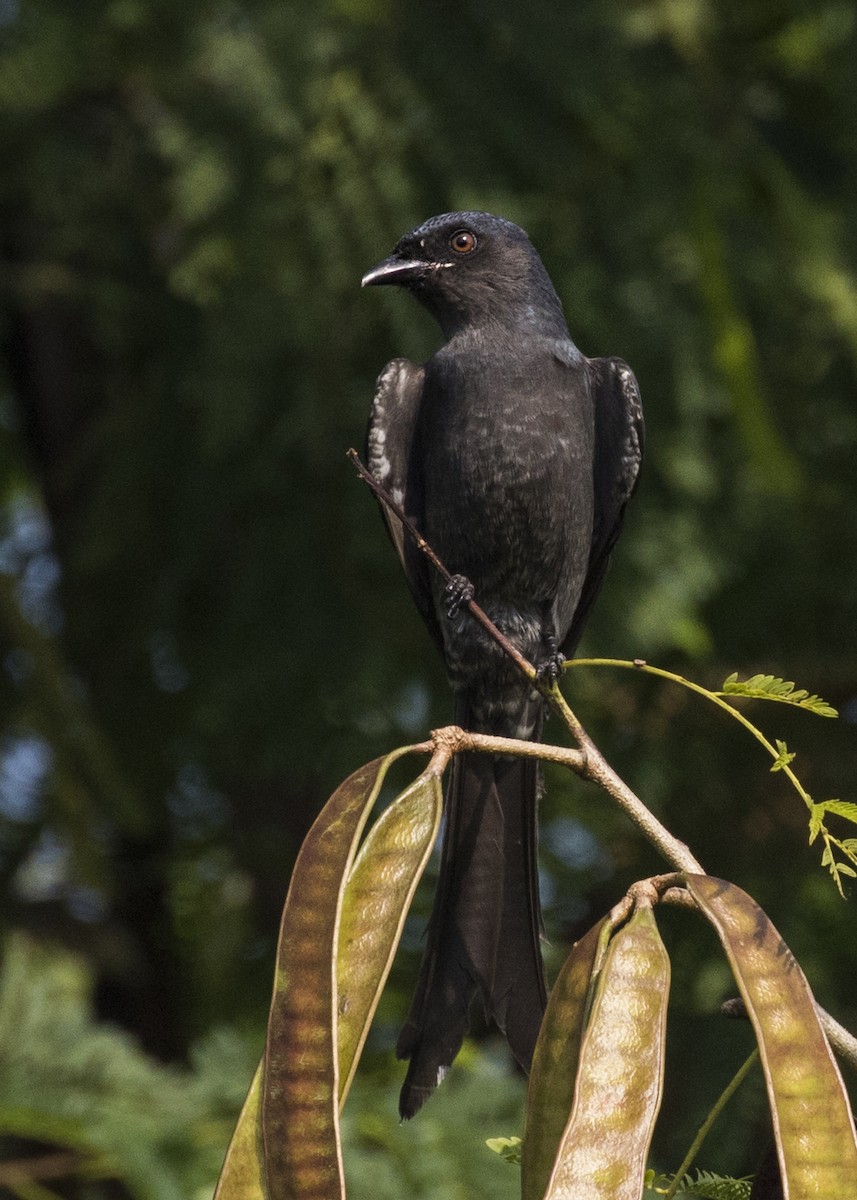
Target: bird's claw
[(458, 591), (550, 670)]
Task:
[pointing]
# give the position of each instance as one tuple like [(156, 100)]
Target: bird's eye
[(463, 242)]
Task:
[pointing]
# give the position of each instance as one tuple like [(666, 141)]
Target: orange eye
[(463, 242)]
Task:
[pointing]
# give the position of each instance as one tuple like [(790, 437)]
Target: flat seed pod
[(813, 1126), (554, 1071), (375, 903), (241, 1177), (300, 1092), (603, 1149), (377, 897)]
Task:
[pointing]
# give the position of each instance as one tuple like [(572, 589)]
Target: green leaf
[(509, 1148), (842, 808), (784, 756), (845, 846), (68, 1080), (816, 822), (707, 1186), (771, 687)]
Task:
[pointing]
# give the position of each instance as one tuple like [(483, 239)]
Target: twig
[(457, 740), (422, 545), (707, 1125), (841, 1039), (597, 770), (587, 763), (717, 698)]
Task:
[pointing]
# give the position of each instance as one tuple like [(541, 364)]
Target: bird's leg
[(458, 591), (550, 669)]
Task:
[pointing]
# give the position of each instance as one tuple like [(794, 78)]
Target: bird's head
[(469, 268)]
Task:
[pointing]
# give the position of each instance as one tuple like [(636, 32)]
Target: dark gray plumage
[(515, 456)]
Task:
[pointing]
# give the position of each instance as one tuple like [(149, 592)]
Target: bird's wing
[(389, 440), (619, 438), (392, 419)]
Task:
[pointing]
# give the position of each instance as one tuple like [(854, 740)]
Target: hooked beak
[(393, 270)]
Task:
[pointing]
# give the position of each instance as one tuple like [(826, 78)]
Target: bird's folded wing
[(389, 442), (619, 440)]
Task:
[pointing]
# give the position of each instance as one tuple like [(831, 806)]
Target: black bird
[(515, 456)]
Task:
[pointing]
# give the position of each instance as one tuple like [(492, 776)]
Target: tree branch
[(587, 762)]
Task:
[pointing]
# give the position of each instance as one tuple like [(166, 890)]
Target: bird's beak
[(393, 270)]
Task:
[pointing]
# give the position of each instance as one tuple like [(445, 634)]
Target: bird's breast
[(506, 444)]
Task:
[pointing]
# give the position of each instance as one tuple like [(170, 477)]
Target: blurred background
[(203, 627)]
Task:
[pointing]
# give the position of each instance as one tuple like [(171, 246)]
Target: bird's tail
[(483, 938)]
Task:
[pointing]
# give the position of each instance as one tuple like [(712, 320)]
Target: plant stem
[(714, 697), (597, 770), (705, 1128)]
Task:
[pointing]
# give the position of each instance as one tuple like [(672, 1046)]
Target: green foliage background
[(203, 625)]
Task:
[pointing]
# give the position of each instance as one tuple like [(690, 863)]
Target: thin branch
[(639, 664), (781, 762), (457, 740), (597, 770), (707, 1125), (841, 1039), (587, 763), (384, 497)]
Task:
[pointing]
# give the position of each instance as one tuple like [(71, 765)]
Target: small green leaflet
[(770, 687), (509, 1148), (706, 1186), (841, 808), (784, 756), (845, 846), (836, 869)]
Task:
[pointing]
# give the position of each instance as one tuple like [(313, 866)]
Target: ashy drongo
[(515, 456)]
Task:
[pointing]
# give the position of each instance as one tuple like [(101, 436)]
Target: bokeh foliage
[(203, 625)]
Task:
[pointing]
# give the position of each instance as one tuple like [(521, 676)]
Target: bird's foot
[(551, 668), (459, 591)]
